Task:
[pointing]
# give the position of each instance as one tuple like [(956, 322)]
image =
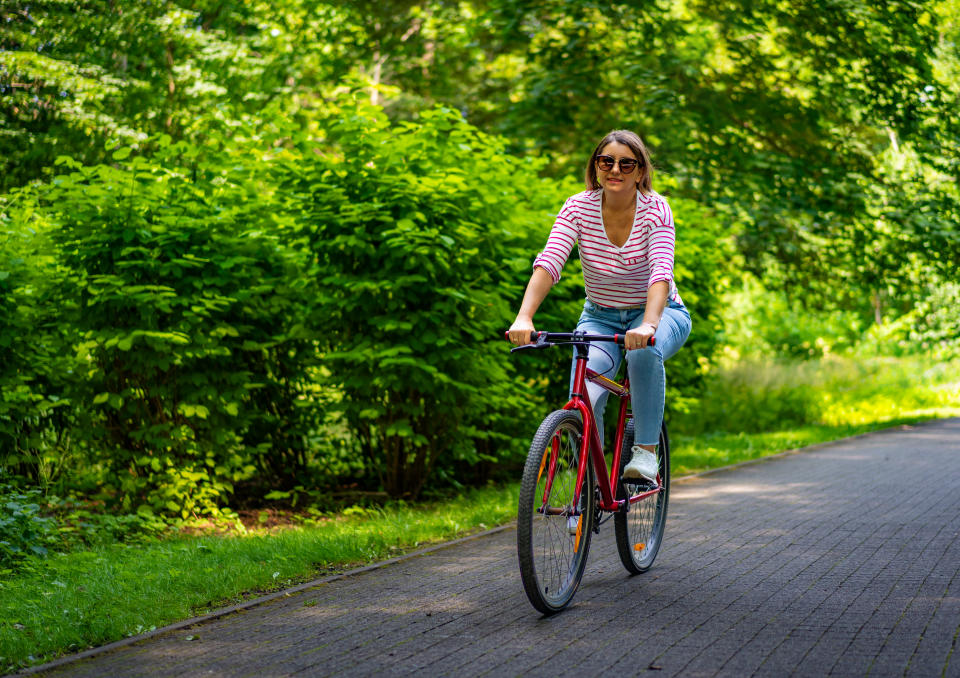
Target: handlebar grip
[(619, 338), (534, 335)]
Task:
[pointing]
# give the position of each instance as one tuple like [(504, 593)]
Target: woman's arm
[(660, 250), (638, 337), (656, 302), (538, 287)]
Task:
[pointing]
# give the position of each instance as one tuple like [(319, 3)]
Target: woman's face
[(615, 179)]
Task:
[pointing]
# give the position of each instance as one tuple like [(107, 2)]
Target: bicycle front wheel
[(639, 531), (553, 534)]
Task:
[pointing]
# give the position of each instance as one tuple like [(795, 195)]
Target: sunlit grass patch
[(764, 396), (939, 400), (752, 410)]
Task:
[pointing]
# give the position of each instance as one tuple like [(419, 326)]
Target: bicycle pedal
[(642, 484)]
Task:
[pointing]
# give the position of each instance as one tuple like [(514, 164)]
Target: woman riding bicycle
[(626, 237)]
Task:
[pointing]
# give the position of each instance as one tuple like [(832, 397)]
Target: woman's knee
[(674, 330), (644, 358)]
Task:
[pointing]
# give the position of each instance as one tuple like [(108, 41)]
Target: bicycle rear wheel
[(639, 531), (553, 536)]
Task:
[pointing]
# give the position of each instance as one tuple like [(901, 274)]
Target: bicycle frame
[(558, 509), (591, 446)]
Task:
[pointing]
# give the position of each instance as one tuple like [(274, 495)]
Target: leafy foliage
[(702, 263), (931, 328), (188, 316), (23, 531), (775, 116), (37, 417), (413, 230), (267, 260)]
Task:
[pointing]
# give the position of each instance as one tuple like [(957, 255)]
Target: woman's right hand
[(519, 332), (540, 283)]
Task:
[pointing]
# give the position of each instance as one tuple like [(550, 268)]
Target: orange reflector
[(576, 543), (543, 462), (639, 547)]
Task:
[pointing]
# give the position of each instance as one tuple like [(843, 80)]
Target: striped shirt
[(614, 276)]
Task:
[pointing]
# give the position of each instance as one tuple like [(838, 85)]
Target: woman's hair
[(634, 143)]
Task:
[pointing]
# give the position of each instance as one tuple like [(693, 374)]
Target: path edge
[(284, 593), (253, 602)]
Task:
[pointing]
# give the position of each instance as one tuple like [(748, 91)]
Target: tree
[(773, 115)]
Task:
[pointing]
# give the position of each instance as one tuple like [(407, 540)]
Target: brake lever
[(541, 343), (533, 347)]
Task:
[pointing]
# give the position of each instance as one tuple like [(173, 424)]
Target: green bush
[(81, 525), (703, 252), (765, 322), (423, 236), (38, 364), (756, 396), (188, 310), (931, 327), (24, 533), (294, 313)]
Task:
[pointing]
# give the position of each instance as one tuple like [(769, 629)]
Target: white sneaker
[(643, 464)]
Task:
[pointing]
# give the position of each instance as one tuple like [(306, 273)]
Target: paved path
[(842, 560)]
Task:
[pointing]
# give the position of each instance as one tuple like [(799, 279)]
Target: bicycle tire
[(640, 530), (552, 546)]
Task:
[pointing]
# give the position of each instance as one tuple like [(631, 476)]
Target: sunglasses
[(606, 163)]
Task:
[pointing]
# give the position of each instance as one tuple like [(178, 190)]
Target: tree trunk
[(877, 303)]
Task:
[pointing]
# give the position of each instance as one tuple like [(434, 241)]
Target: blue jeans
[(644, 366)]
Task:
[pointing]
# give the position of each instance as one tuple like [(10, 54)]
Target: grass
[(69, 602), (760, 396), (772, 407)]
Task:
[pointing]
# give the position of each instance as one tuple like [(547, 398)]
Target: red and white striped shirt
[(614, 276)]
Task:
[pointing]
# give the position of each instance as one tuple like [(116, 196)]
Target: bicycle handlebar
[(546, 338)]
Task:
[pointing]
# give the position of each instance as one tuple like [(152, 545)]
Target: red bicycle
[(565, 470)]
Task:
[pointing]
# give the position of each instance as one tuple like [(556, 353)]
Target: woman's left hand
[(639, 337)]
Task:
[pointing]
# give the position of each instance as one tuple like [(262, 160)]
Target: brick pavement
[(841, 560)]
